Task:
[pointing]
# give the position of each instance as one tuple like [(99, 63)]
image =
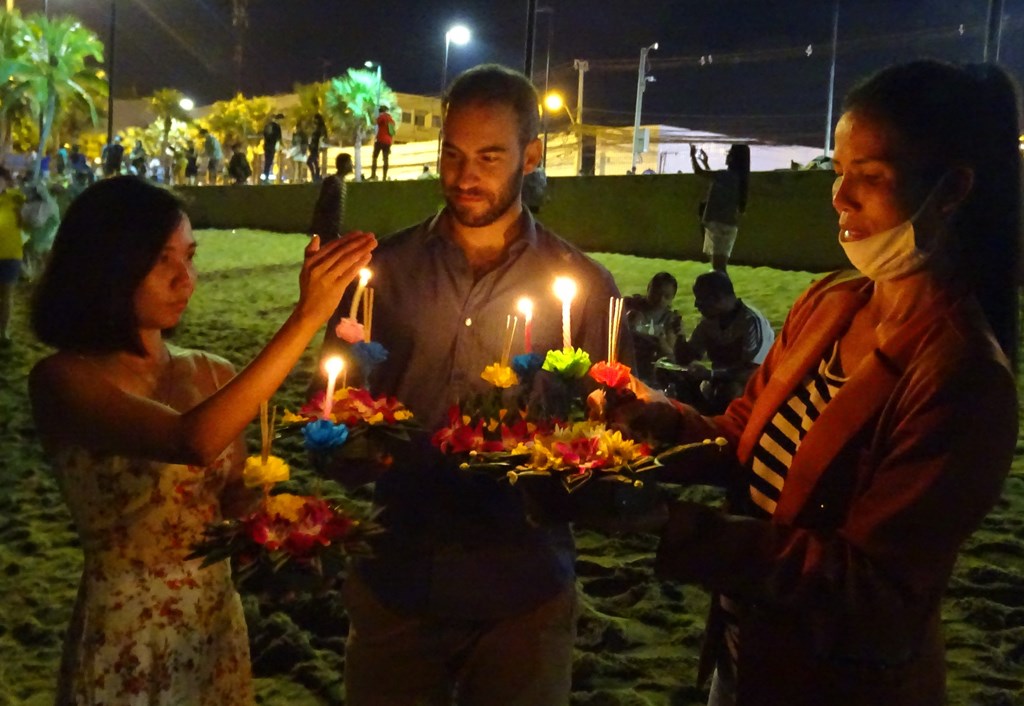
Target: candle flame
[(364, 276), (525, 307), (334, 365), (565, 289)]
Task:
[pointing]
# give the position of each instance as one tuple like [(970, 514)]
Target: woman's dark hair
[(739, 162), (493, 84), (109, 240), (944, 117), (663, 278)]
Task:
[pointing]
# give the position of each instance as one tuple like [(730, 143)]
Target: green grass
[(638, 637)]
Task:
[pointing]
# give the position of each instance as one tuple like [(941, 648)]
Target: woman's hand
[(328, 270)]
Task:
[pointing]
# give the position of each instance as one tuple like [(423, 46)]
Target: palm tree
[(57, 71), (351, 102), (13, 100), (311, 101), (239, 119), (166, 106)]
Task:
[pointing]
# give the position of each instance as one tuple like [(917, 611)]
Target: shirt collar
[(439, 229)]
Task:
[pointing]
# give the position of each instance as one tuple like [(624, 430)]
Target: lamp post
[(641, 84), (582, 66), (550, 11), (832, 77), (110, 74), (460, 36), (370, 65)]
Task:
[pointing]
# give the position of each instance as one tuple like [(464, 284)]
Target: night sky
[(760, 81)]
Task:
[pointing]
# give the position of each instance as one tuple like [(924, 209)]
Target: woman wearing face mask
[(877, 433)]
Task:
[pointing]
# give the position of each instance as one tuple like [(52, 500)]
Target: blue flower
[(527, 365), (323, 434), (369, 355)]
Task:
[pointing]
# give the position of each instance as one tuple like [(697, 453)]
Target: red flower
[(614, 375)]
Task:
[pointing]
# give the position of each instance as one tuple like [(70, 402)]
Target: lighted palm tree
[(166, 106), (57, 71), (239, 119), (351, 105), (311, 98), (13, 51)]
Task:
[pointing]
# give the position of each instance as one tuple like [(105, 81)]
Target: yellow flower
[(519, 448), (500, 375), (402, 414), (292, 418), (258, 474), (375, 418), (286, 506)]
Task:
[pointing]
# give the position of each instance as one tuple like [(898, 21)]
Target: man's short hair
[(383, 109), (493, 84), (714, 284)]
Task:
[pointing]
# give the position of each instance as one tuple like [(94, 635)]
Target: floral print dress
[(149, 627)]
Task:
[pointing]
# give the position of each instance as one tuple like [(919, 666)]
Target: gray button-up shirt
[(457, 546)]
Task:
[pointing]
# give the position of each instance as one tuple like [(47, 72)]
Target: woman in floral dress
[(145, 440)]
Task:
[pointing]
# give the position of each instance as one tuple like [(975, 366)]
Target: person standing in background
[(329, 211), (316, 143), (726, 201), (214, 155), (386, 129), (271, 139), (11, 252)]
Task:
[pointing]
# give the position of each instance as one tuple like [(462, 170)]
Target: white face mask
[(890, 254)]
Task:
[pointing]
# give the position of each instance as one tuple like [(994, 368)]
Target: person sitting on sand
[(654, 324), (732, 335), (878, 431), (145, 440)]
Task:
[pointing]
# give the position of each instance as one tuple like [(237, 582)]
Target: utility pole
[(994, 31), (832, 77), (582, 66), (110, 74), (641, 84), (531, 30)]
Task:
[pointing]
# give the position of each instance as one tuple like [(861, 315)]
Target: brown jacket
[(841, 590)]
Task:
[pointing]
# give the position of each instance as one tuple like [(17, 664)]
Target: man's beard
[(498, 204)]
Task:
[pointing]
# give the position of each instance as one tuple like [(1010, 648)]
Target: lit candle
[(333, 366), (364, 277), (368, 315), (565, 290), (525, 307)]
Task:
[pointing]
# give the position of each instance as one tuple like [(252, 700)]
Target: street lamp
[(553, 103), (186, 104), (460, 36), (641, 84)]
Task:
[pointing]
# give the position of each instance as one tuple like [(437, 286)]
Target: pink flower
[(349, 330)]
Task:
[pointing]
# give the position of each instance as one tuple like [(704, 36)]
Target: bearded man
[(465, 598)]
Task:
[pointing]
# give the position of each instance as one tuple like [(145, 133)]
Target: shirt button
[(469, 322)]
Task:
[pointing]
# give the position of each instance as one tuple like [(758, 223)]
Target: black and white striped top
[(782, 436), (774, 453)]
